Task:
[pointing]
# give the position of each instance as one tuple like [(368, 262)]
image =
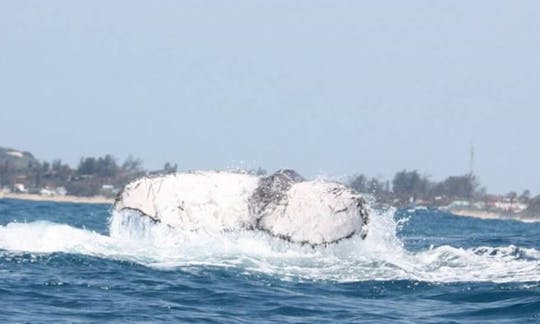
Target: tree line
[(104, 175), (92, 176), (409, 186)]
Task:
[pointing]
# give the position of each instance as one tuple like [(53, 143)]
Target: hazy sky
[(325, 87)]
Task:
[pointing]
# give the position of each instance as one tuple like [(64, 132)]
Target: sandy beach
[(67, 198), (482, 214)]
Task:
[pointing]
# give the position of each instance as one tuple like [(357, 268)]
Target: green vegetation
[(533, 211), (15, 164), (463, 191), (410, 186), (93, 176)]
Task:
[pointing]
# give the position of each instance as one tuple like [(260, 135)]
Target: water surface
[(74, 263)]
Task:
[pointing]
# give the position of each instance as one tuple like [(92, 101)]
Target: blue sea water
[(65, 262)]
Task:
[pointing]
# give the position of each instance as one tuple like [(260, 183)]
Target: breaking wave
[(381, 256)]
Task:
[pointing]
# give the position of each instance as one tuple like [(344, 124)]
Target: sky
[(328, 88)]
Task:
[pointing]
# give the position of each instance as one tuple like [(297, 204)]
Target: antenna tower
[(471, 162)]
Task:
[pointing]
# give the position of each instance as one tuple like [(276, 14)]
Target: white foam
[(381, 256)]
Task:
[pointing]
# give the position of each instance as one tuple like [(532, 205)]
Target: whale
[(284, 205)]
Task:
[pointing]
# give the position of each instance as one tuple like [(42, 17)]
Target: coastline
[(484, 214), (474, 213), (67, 198)]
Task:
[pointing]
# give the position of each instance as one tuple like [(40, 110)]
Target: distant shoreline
[(484, 214), (67, 198), (474, 213)]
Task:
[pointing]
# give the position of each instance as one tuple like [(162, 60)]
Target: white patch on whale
[(283, 204), (209, 200), (317, 212)]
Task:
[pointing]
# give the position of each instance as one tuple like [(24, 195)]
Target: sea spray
[(381, 256)]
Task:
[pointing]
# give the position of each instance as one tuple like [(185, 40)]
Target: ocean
[(67, 262)]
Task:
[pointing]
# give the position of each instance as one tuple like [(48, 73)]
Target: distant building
[(61, 191), (47, 192), (16, 154), (459, 204), (109, 190), (19, 187), (510, 207)]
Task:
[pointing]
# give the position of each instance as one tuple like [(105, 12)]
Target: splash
[(381, 256)]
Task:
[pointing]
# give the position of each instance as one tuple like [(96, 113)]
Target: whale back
[(282, 204), (198, 200)]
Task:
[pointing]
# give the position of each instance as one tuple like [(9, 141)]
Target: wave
[(381, 256)]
